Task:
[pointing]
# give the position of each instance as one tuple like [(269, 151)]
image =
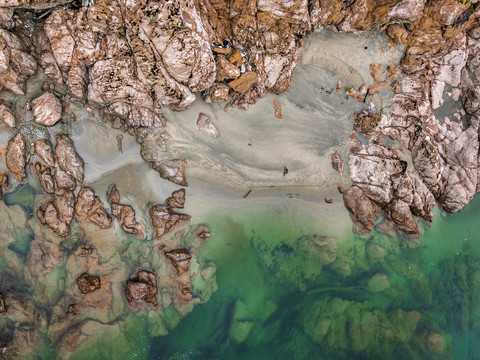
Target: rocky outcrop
[(87, 283), (142, 286), (164, 219), (59, 213), (47, 109)]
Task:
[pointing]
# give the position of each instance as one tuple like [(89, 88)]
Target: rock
[(217, 92), (374, 72), (44, 150), (48, 215), (244, 82), (377, 87), (365, 121), (47, 109), (177, 200), (378, 283), (322, 248), (400, 213), (205, 124), (63, 180), (125, 215), (65, 205), (7, 115), (3, 304), (16, 64), (142, 286), (362, 209), (435, 342), (277, 108), (89, 207), (397, 33), (225, 69), (3, 184), (67, 157), (15, 156), (337, 162), (235, 57), (180, 258), (164, 219), (72, 310), (173, 170), (87, 283), (114, 195)]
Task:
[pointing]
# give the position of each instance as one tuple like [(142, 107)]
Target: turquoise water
[(376, 300)]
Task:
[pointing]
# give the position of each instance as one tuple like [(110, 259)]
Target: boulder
[(142, 286), (164, 219), (15, 156), (87, 283), (47, 109)]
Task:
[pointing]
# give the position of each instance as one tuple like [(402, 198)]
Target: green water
[(274, 301)]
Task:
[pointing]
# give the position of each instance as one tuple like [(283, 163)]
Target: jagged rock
[(67, 157), (363, 210), (65, 205), (114, 195), (217, 92), (177, 200), (15, 156), (365, 121), (205, 124), (63, 180), (45, 178), (225, 69), (142, 286), (47, 109), (48, 215), (7, 115), (244, 82), (44, 150), (153, 143), (89, 207), (164, 219), (378, 86), (337, 162), (173, 170), (125, 214), (3, 304), (16, 64), (180, 258), (87, 283), (3, 184), (72, 310)]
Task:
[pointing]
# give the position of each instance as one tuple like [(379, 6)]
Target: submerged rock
[(3, 184), (47, 109), (142, 286), (15, 156), (3, 304), (87, 283)]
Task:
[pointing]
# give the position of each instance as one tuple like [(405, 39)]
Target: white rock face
[(204, 124)]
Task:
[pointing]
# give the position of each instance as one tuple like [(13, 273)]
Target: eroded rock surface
[(68, 159), (3, 184), (164, 218), (89, 207), (87, 283), (125, 215)]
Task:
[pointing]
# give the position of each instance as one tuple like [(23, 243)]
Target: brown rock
[(235, 57), (374, 72), (114, 195), (362, 209), (65, 205), (142, 286), (45, 178), (224, 51), (365, 121), (164, 219), (87, 283), (3, 184), (377, 87), (3, 304), (218, 92), (225, 69), (89, 207), (337, 162), (15, 156), (244, 82), (399, 212), (48, 215), (47, 109), (72, 310), (180, 258), (393, 69), (63, 180), (44, 150), (67, 157), (177, 200), (126, 217), (277, 108), (173, 170), (397, 33), (7, 115), (205, 124)]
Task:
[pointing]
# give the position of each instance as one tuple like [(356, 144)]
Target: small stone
[(235, 57), (377, 87), (217, 92), (205, 124), (225, 69), (374, 72), (244, 82), (47, 109), (88, 283), (337, 162), (277, 108)]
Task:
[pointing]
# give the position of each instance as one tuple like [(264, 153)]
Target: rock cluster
[(164, 218), (125, 215)]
